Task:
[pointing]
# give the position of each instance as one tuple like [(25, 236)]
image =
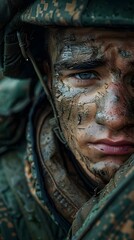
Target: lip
[(120, 147)]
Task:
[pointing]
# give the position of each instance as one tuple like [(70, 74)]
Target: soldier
[(80, 135)]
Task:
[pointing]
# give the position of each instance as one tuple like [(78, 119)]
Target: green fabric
[(14, 95), (14, 103), (112, 217), (81, 13), (24, 218)]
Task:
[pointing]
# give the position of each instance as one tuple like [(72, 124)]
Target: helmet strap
[(28, 56)]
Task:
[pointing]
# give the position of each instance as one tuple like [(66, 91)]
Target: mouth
[(109, 147)]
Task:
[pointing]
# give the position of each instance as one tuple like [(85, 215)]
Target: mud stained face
[(93, 89)]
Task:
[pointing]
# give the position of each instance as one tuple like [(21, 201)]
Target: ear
[(48, 73)]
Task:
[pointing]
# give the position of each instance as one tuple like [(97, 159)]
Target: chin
[(105, 170)]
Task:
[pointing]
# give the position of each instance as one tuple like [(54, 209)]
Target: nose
[(114, 109)]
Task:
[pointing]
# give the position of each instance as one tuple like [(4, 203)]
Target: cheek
[(67, 111), (66, 101), (76, 112)]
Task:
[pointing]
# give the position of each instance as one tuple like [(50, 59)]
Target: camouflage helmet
[(94, 13), (80, 13)]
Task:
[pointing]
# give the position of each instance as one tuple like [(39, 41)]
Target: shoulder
[(112, 213)]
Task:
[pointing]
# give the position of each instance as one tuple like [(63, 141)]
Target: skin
[(92, 83)]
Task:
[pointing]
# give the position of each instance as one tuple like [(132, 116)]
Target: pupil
[(85, 75)]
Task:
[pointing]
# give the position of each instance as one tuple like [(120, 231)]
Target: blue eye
[(83, 79), (85, 75)]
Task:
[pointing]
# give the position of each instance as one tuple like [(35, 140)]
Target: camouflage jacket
[(27, 204), (110, 215), (21, 217), (110, 208)]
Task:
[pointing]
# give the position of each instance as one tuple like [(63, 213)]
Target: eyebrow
[(86, 65)]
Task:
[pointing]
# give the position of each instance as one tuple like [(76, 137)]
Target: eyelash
[(85, 81)]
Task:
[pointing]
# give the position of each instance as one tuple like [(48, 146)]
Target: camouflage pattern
[(52, 13), (117, 192), (6, 223), (80, 13), (65, 190), (111, 213), (21, 217)]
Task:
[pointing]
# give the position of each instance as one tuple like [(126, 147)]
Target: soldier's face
[(93, 89)]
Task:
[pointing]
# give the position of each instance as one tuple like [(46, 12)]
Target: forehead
[(76, 41), (83, 34)]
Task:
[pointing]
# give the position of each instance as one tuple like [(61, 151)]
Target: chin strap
[(28, 56)]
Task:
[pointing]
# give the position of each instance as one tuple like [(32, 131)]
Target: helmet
[(106, 13), (81, 13)]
